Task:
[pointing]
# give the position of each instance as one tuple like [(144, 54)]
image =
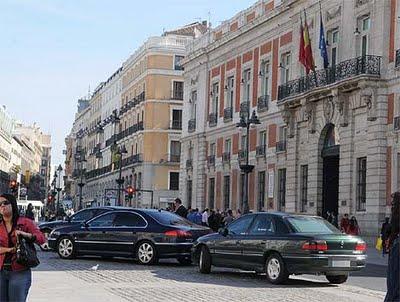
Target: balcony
[(242, 155), (140, 98), (397, 62), (228, 114), (365, 65), (211, 161), (244, 108), (281, 146), (177, 125), (226, 157), (189, 164), (177, 95), (212, 119), (192, 125), (396, 123), (262, 103), (174, 158), (261, 151)]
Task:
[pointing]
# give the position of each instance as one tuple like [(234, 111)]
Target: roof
[(193, 29)]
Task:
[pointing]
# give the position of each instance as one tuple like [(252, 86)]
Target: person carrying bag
[(17, 253)]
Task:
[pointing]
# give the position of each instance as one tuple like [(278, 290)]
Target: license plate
[(340, 263)]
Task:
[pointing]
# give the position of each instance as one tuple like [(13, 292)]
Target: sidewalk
[(375, 257)]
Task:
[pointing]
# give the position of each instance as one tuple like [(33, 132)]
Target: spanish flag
[(308, 55)]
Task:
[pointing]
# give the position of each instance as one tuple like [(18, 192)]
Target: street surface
[(124, 280)]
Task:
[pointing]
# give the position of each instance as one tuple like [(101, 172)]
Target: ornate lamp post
[(245, 123)]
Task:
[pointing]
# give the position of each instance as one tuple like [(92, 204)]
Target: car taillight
[(361, 246), (315, 246), (178, 234)]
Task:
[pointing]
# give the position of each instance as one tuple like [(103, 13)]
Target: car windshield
[(168, 218), (304, 224)]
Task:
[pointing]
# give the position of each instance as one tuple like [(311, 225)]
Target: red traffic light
[(130, 190)]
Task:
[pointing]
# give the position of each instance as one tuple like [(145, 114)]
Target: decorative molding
[(309, 116), (361, 2), (341, 101), (368, 98), (194, 80), (329, 109), (333, 13), (288, 118)]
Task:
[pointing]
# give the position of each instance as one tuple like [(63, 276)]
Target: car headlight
[(54, 233)]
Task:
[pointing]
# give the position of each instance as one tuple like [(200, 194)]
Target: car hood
[(53, 224), (209, 237)]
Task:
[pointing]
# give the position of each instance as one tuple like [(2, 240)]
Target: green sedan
[(281, 244)]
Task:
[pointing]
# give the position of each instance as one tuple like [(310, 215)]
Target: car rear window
[(302, 224), (168, 218)]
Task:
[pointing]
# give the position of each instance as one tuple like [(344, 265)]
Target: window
[(129, 220), (304, 187), (193, 107), (177, 93), (175, 152), (83, 215), (247, 85), (176, 119), (262, 225), (212, 149), (361, 183), (241, 225), (227, 185), (365, 27), (304, 224), (265, 78), (261, 190), (230, 92), (178, 62), (228, 146), (189, 185), (106, 220), (334, 44), (263, 138), (168, 218), (215, 97), (211, 193), (285, 68), (281, 189), (282, 134), (174, 181)]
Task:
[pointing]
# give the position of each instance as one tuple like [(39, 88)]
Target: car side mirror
[(223, 231)]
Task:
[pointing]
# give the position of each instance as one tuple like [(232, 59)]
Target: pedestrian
[(385, 233), (335, 220), (190, 216), (393, 272), (180, 208), (228, 218), (197, 217), (29, 212), (238, 213), (213, 222), (353, 228), (15, 279), (218, 219), (344, 223), (204, 217)]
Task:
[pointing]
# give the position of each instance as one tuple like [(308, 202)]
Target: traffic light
[(130, 190)]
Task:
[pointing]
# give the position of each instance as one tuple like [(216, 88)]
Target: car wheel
[(146, 253), (66, 248), (45, 246), (275, 269), (338, 279), (184, 260), (205, 260)]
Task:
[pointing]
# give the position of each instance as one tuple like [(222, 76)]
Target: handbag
[(379, 244), (26, 252)]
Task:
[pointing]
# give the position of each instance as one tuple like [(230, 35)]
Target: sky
[(52, 51)]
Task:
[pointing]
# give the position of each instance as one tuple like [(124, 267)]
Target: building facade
[(327, 141)]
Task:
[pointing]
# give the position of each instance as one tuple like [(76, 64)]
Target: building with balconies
[(328, 141)]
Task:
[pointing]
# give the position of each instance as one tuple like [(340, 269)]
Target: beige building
[(326, 143)]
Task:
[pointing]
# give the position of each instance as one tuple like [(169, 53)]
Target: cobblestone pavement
[(124, 280)]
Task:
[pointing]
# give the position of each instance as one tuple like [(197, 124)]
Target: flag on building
[(308, 55), (322, 43), (302, 57)]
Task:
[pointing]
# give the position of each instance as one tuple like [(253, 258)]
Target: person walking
[(197, 217), (353, 228), (15, 279), (385, 233), (204, 217), (29, 212), (180, 208), (344, 223), (393, 272), (228, 218)]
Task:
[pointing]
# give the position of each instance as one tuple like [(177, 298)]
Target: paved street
[(124, 280)]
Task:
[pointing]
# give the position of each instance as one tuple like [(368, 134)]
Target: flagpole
[(313, 65)]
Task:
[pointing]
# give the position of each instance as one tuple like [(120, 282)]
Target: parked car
[(144, 234), (280, 244), (77, 218)]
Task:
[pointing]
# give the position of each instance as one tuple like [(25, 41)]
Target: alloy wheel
[(145, 253), (273, 268), (65, 247)]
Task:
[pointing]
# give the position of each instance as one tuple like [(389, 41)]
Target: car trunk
[(339, 243)]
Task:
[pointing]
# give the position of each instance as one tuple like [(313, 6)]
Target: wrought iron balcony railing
[(281, 146), (397, 62), (261, 150), (212, 119), (211, 160), (396, 123), (189, 164), (262, 103), (228, 114), (368, 65), (177, 94), (226, 157), (174, 158), (192, 125), (177, 125)]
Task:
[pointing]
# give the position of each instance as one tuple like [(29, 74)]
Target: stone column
[(199, 173)]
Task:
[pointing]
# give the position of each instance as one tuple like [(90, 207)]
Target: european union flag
[(322, 45)]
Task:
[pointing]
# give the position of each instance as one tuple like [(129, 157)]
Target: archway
[(330, 158)]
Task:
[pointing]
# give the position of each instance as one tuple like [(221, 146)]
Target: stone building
[(327, 141)]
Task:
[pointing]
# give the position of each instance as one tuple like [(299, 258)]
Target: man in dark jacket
[(385, 233), (180, 208)]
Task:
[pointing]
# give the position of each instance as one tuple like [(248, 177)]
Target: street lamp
[(245, 123), (59, 169), (120, 181)]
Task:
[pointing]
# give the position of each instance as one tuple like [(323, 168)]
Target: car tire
[(337, 279), (184, 260), (45, 246), (146, 253), (66, 248), (275, 269), (204, 260)]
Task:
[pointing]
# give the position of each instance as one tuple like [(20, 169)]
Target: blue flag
[(322, 45)]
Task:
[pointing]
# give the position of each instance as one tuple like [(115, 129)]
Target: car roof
[(284, 214)]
